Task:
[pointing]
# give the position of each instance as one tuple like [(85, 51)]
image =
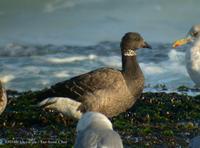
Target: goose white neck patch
[(130, 52)]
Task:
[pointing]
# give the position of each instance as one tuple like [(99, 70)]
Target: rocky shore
[(156, 120)]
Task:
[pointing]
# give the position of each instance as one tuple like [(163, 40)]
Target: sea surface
[(44, 42), (32, 67)]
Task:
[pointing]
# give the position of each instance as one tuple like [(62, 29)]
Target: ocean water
[(34, 67), (44, 42)]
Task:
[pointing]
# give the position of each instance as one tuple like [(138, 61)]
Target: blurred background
[(44, 42), (86, 22)]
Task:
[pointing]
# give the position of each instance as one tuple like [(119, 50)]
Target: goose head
[(132, 41)]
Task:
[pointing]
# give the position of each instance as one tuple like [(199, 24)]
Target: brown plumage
[(3, 98), (106, 90)]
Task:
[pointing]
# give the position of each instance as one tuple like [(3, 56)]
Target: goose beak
[(146, 45), (181, 42)]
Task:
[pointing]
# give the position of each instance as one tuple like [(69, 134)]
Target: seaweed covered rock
[(156, 120)]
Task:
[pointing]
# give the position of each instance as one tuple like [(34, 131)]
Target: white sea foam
[(63, 4), (71, 59), (31, 69), (111, 61), (58, 4), (177, 57), (175, 64), (7, 78), (17, 50), (152, 68), (171, 72), (44, 82), (61, 74)]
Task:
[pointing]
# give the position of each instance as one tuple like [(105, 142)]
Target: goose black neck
[(130, 67)]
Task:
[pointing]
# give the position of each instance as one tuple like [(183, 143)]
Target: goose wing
[(87, 83)]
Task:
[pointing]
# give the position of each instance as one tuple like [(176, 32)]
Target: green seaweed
[(168, 133), (158, 119), (182, 88)]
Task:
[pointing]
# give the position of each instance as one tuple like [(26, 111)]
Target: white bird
[(192, 55), (94, 130), (3, 98)]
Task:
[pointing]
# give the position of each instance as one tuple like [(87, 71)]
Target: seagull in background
[(94, 130), (192, 55)]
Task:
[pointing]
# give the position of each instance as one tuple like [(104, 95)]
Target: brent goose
[(106, 90), (192, 55), (95, 130), (3, 98)]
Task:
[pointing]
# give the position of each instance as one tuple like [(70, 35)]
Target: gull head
[(192, 35)]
